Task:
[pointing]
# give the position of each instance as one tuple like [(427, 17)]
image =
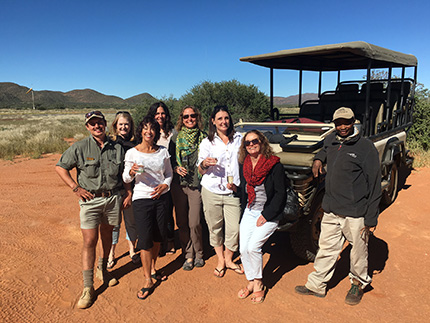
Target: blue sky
[(125, 48)]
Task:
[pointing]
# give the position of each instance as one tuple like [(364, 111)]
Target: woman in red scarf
[(263, 195)]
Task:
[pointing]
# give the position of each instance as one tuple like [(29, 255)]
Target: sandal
[(219, 273), (244, 293), (238, 269), (158, 276), (135, 259), (261, 294), (144, 290), (171, 248), (110, 264)]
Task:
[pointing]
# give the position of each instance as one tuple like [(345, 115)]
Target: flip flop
[(144, 290), (238, 269), (244, 293), (158, 276), (259, 294), (135, 259), (219, 273), (110, 264)]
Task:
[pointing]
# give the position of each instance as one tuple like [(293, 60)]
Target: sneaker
[(303, 290), (106, 277), (87, 298), (188, 265), (355, 294), (199, 262)]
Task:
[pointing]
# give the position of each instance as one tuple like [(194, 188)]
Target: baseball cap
[(94, 114), (343, 113)]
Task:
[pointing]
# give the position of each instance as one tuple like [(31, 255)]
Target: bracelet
[(76, 188), (203, 167)]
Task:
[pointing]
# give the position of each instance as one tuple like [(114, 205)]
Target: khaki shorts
[(99, 210)]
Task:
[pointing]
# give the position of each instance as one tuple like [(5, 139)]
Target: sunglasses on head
[(186, 116), (123, 112), (253, 141), (93, 113)]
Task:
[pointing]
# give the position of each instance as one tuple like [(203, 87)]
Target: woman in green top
[(186, 196)]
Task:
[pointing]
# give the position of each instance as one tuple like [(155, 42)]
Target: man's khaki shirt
[(97, 169)]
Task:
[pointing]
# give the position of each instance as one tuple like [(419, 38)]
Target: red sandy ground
[(40, 266)]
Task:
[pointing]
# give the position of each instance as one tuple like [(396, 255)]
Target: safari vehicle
[(383, 109)]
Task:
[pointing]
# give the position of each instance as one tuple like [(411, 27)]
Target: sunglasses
[(94, 113), (253, 141), (123, 112), (192, 116)]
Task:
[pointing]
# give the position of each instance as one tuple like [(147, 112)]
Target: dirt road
[(40, 267)]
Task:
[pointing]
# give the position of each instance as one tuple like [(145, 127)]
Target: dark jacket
[(353, 180), (275, 185)]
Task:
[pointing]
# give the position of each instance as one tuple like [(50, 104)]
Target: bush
[(419, 135), (243, 101)]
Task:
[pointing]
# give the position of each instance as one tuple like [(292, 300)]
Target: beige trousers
[(334, 231), (222, 214)]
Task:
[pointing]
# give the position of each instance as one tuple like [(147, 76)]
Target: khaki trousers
[(222, 214), (334, 231), (188, 205)]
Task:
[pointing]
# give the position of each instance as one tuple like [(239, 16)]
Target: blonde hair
[(265, 148), (199, 118), (114, 131)]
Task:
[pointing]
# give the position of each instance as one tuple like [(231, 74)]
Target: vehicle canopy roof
[(335, 57)]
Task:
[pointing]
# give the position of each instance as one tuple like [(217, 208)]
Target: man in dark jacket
[(350, 204)]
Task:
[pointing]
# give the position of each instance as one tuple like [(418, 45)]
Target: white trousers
[(334, 231), (251, 241)]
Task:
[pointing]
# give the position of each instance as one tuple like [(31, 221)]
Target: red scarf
[(257, 177)]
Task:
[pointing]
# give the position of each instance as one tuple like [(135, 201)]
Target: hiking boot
[(188, 265), (87, 298), (199, 262), (303, 290), (355, 293), (106, 277)]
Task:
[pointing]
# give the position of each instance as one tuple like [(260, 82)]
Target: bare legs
[(225, 260), (149, 258)]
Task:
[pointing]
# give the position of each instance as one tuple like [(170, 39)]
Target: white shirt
[(164, 141), (215, 179), (157, 170)]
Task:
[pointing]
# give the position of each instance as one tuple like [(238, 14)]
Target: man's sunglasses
[(94, 113), (192, 116), (253, 141)]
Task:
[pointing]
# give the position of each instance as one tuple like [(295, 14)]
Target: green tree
[(243, 101), (172, 103), (419, 135)]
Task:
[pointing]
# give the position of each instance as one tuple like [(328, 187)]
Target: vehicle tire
[(304, 241), (390, 194)]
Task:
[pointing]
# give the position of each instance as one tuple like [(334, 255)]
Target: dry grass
[(421, 157), (32, 133)]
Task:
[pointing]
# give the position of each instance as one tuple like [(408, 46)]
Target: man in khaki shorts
[(99, 165), (350, 204)]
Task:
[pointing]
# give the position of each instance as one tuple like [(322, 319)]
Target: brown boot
[(355, 293), (87, 298)]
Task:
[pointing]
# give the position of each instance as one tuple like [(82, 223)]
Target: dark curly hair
[(153, 125), (168, 125)]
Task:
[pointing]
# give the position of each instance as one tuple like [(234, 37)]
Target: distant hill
[(293, 100), (15, 96)]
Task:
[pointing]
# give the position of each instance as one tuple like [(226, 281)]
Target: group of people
[(141, 175)]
